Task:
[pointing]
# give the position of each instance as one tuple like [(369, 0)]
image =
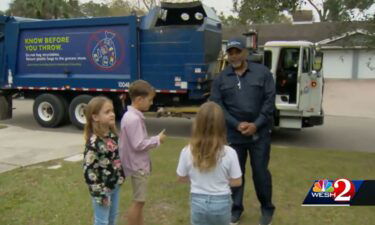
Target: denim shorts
[(210, 209)]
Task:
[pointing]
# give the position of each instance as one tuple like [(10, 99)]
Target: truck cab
[(296, 67)]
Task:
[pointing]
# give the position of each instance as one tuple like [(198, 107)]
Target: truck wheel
[(49, 110), (3, 108), (77, 110)]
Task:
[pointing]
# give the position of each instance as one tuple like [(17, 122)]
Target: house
[(349, 48), (349, 55)]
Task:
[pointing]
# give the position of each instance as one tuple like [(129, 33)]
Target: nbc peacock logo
[(323, 186), (323, 189)]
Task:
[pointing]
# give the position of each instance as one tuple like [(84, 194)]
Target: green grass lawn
[(2, 126), (36, 195)]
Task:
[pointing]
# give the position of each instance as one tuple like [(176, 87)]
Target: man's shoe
[(266, 217)]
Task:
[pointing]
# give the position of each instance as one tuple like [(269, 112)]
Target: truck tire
[(77, 110), (4, 107), (64, 100), (118, 107), (49, 110)]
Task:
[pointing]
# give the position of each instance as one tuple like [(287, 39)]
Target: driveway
[(350, 98)]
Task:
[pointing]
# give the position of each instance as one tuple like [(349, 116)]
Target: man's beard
[(237, 65)]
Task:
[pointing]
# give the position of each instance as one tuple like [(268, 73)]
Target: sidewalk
[(354, 98), (33, 147)]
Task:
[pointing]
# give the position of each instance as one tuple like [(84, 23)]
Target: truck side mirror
[(318, 61)]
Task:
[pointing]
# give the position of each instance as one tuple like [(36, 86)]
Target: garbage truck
[(177, 47), (63, 63)]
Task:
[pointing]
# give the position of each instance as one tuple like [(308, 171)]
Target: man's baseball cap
[(237, 42)]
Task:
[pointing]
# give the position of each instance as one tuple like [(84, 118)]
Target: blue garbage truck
[(63, 63)]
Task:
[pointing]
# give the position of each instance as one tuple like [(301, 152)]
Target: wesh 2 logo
[(341, 190)]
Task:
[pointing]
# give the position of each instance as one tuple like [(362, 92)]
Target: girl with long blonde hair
[(211, 166), (93, 126), (101, 165)]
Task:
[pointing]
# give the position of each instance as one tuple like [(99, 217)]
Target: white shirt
[(214, 182)]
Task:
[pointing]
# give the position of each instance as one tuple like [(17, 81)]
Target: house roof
[(345, 35), (325, 32)]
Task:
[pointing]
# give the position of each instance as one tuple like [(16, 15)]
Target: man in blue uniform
[(246, 93)]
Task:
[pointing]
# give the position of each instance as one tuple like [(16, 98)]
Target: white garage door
[(366, 64), (338, 64)]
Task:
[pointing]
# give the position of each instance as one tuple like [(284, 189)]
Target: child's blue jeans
[(210, 209), (106, 215)]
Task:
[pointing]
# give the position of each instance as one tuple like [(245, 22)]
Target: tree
[(371, 19), (229, 20), (74, 8), (92, 9), (271, 11), (114, 8), (44, 9), (123, 8), (265, 11), (148, 4), (338, 10), (26, 8), (53, 9)]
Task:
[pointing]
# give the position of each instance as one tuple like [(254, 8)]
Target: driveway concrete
[(21, 147), (352, 98)]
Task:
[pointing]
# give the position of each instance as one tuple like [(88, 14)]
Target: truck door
[(304, 79), (287, 70), (311, 85)]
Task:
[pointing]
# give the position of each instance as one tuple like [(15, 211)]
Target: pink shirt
[(134, 143)]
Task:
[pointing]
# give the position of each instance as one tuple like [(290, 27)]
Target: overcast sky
[(220, 5)]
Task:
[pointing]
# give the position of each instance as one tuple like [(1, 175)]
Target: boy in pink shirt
[(134, 146)]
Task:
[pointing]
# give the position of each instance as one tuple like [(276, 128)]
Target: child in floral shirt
[(102, 166)]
